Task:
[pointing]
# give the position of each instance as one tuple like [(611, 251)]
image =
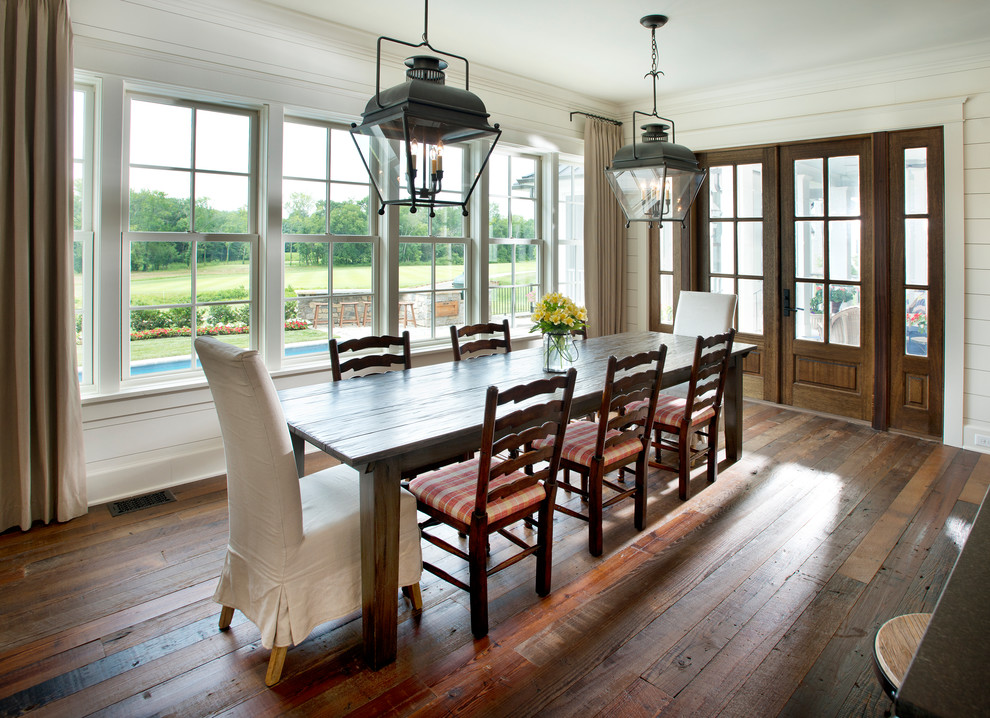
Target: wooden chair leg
[(639, 498), (478, 577), (275, 663), (712, 451), (594, 483), (226, 615), (544, 537), (415, 596), (683, 463)]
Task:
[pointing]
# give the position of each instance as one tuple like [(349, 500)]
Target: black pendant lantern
[(655, 179), (420, 134)]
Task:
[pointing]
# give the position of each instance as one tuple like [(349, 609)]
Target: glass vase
[(559, 351)]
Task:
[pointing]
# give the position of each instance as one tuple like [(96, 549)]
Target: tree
[(153, 211)]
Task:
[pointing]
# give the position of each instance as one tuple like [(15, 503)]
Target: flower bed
[(210, 330)]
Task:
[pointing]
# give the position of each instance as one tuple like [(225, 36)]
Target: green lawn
[(172, 287)]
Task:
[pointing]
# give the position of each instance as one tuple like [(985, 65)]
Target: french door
[(827, 295), (834, 249)]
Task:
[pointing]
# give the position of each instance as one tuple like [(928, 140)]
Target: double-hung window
[(515, 240), (191, 231), (329, 266), (83, 113)]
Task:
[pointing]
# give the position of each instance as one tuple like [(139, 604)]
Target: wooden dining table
[(390, 423)]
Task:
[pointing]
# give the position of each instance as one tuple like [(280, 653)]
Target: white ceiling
[(599, 48)]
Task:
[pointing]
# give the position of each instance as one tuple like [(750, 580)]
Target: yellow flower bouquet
[(557, 316)]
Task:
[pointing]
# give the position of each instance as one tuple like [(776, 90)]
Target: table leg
[(380, 562), (299, 454), (732, 410)]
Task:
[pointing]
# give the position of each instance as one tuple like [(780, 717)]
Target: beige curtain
[(42, 469), (604, 233)]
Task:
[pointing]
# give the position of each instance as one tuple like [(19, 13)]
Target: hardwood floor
[(759, 596)]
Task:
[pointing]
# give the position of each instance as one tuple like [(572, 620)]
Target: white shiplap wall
[(976, 153)]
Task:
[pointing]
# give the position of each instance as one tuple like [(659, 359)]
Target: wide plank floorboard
[(759, 596)]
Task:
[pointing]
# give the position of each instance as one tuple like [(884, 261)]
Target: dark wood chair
[(488, 493), (678, 419), (618, 438), (496, 339), (396, 355)]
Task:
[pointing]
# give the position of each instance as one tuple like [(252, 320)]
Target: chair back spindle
[(495, 339), (395, 355)]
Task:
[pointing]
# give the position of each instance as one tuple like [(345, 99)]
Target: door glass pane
[(843, 250), (916, 322), (916, 251), (844, 315), (667, 298), (916, 180), (808, 321), (808, 192), (843, 186), (723, 285), (750, 187), (667, 248), (720, 192), (750, 247), (751, 306), (721, 248), (809, 250)]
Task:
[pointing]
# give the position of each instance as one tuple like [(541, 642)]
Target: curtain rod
[(597, 117)]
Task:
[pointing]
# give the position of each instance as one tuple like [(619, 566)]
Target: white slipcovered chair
[(294, 553), (704, 313)]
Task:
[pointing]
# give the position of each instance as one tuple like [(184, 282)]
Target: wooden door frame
[(765, 360), (691, 261)]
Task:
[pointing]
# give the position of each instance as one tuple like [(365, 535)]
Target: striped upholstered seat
[(579, 444), (453, 490), (671, 409)]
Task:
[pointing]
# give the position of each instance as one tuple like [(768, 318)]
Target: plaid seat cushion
[(670, 410), (579, 444), (452, 490)]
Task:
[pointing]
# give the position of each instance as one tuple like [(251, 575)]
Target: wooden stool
[(356, 321), (894, 647), (407, 309), (322, 307)]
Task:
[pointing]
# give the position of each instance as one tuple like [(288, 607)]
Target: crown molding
[(902, 67)]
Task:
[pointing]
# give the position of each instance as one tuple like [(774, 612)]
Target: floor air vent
[(136, 503)]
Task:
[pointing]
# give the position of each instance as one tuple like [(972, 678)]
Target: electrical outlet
[(982, 440)]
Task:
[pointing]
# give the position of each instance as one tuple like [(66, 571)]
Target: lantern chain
[(654, 71)]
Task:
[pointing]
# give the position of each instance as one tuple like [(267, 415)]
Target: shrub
[(145, 319)]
